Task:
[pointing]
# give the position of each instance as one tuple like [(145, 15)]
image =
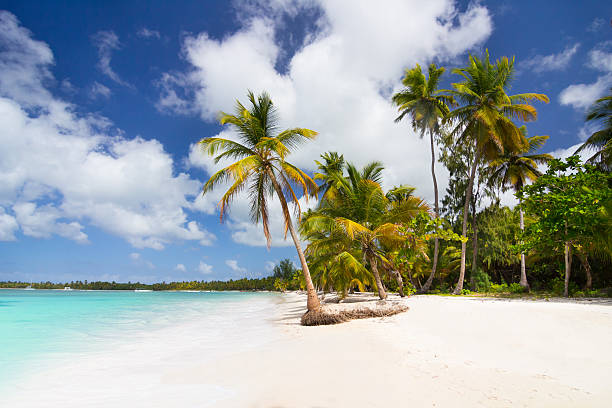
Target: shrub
[(482, 281), (516, 288)]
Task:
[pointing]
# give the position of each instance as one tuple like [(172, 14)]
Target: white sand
[(443, 352)]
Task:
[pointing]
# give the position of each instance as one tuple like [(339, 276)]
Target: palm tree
[(485, 120), (260, 152), (359, 217), (514, 170), (423, 102), (601, 111)]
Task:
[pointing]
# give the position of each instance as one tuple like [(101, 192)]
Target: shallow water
[(43, 328)]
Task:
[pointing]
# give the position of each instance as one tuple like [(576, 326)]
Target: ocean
[(41, 330)]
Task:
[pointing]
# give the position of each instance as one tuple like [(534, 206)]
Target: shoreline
[(444, 352)]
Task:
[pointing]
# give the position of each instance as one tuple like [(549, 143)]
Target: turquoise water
[(40, 326)]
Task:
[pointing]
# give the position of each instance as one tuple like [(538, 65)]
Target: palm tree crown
[(601, 112)]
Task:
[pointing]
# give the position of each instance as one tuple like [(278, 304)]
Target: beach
[(442, 352)]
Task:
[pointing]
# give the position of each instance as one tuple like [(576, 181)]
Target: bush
[(579, 294), (495, 288), (516, 288), (482, 281), (466, 292)]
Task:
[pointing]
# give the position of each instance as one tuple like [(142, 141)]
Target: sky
[(102, 105)]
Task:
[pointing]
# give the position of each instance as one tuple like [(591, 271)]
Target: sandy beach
[(443, 352)]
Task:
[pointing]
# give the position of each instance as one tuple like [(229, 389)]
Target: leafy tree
[(261, 151), (514, 170), (568, 201), (426, 106), (284, 270), (485, 120), (601, 141)]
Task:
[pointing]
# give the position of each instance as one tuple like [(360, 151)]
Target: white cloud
[(596, 25), (233, 264), (204, 268), (552, 62), (180, 268), (106, 42), (8, 226), (148, 34), (581, 96), (134, 256), (138, 260), (338, 83), (99, 91), (61, 170), (600, 60)]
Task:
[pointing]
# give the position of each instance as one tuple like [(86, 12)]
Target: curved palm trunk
[(466, 208), (400, 283), (523, 281), (312, 302), (429, 281), (379, 285)]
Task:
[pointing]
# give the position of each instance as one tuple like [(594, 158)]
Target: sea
[(49, 334)]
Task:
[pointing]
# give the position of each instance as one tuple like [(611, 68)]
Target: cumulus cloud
[(581, 96), (61, 170), (233, 265), (338, 81), (204, 268), (552, 62), (99, 91), (106, 42), (180, 268)]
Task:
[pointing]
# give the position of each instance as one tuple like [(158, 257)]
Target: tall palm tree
[(426, 106), (601, 111), (514, 170), (484, 120), (261, 166)]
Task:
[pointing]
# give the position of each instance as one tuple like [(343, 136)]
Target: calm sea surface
[(41, 327)]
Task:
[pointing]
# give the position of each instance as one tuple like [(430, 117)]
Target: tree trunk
[(474, 250), (568, 267), (584, 259), (466, 207), (312, 302), (379, 285), (523, 281), (434, 265), (400, 283)]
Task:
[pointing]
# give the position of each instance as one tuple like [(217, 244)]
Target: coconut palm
[(600, 111), (485, 120), (361, 217), (426, 106), (261, 168), (514, 170)]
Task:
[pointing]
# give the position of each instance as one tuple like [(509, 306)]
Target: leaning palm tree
[(514, 170), (601, 141), (261, 167), (485, 120), (362, 218), (426, 106)]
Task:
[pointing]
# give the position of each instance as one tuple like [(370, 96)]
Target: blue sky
[(101, 104)]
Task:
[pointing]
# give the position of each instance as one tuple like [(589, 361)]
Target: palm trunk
[(568, 267), (400, 283), (312, 302), (434, 265), (474, 250), (584, 259), (466, 207), (379, 285), (523, 281)]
